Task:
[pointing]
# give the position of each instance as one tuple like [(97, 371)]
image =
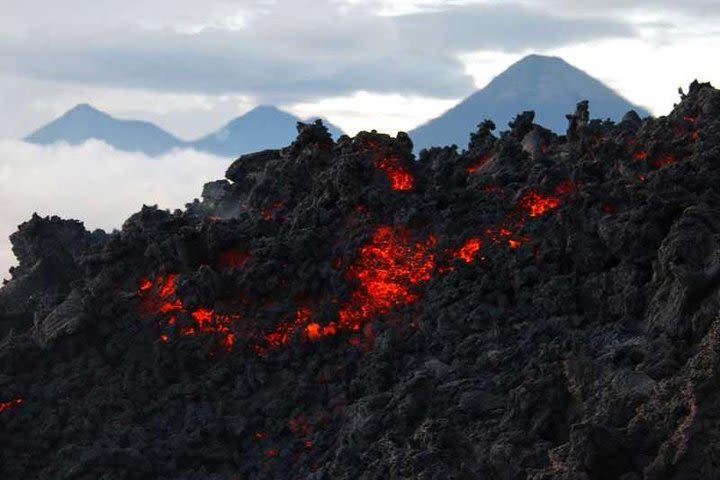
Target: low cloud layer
[(93, 183)]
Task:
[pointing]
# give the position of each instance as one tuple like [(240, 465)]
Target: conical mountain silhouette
[(548, 85)]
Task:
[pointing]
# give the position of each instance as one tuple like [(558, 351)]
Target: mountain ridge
[(262, 127), (549, 86)]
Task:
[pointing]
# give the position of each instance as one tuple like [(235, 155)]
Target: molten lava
[(158, 297), (514, 244), (401, 179), (475, 166), (535, 204), (386, 271), (469, 249), (640, 155), (10, 404)]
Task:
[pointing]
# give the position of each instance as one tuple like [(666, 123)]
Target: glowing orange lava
[(10, 404), (386, 270), (475, 166), (158, 297), (640, 155), (400, 177), (535, 203), (469, 249)]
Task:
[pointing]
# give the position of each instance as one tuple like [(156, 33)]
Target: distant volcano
[(84, 122), (547, 85), (260, 128)]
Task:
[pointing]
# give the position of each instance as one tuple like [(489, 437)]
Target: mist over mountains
[(260, 128), (548, 85)]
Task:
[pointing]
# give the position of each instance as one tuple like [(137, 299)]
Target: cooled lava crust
[(536, 306)]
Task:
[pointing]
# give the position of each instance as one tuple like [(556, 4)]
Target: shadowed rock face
[(535, 307)]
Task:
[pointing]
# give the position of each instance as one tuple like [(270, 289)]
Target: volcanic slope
[(538, 306)]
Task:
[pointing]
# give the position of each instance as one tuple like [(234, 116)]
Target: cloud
[(607, 8), (94, 183), (389, 113), (287, 51)]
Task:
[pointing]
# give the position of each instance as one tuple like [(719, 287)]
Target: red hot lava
[(158, 297), (387, 269), (535, 204), (475, 166), (10, 404), (640, 155), (401, 179), (469, 249)]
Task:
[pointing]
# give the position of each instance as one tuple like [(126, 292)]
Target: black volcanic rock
[(539, 306)]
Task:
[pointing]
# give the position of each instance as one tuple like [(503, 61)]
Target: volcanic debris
[(536, 306)]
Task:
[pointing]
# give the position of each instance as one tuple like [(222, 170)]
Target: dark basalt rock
[(552, 313)]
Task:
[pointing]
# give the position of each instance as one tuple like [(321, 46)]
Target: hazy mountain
[(548, 85), (261, 128), (84, 122)]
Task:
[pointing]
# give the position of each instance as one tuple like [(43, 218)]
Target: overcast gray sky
[(191, 65)]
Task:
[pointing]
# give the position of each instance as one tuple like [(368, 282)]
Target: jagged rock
[(537, 306)]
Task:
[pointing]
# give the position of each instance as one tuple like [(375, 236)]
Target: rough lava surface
[(535, 306)]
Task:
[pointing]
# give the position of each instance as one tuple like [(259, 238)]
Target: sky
[(190, 66)]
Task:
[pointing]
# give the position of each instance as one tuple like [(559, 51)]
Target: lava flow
[(475, 166), (400, 177), (158, 297), (10, 404), (469, 249), (535, 204), (387, 269)]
